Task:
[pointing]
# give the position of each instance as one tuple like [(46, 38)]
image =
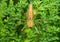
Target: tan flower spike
[(30, 16)]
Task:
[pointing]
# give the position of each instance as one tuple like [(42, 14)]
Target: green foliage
[(13, 20)]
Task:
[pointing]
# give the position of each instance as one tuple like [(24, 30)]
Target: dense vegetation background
[(13, 20)]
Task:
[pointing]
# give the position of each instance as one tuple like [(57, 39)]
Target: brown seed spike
[(30, 16)]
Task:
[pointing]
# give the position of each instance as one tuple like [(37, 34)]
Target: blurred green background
[(13, 19)]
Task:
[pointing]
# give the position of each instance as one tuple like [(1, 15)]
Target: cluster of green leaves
[(13, 20)]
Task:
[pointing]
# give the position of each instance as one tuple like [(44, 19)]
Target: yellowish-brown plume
[(30, 16)]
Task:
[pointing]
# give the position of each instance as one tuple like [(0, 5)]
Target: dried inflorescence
[(30, 16)]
